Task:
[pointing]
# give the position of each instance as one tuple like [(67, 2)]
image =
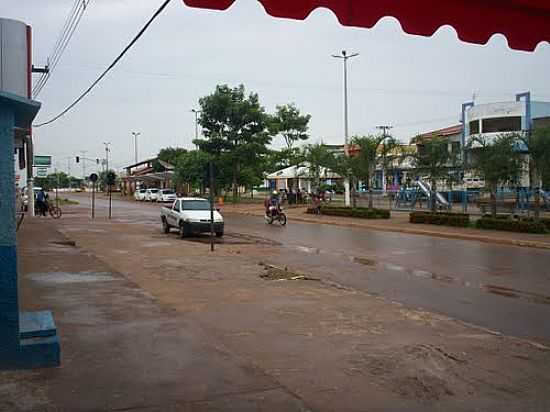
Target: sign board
[(45, 161), (94, 177), (41, 172)]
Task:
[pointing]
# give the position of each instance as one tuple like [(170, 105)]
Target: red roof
[(525, 23), (448, 131)]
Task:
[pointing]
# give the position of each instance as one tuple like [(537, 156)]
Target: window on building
[(541, 123), (501, 124), (474, 127)]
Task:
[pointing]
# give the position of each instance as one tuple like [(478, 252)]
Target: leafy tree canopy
[(290, 124)]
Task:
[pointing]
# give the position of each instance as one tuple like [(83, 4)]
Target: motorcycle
[(275, 214)]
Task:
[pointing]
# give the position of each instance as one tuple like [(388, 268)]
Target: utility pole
[(345, 56), (107, 150), (385, 134), (83, 153), (136, 134)]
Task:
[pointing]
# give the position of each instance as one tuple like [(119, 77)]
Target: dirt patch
[(234, 239), (419, 372), (275, 273), (365, 261), (64, 243)]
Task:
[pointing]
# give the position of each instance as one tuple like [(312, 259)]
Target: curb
[(456, 236)]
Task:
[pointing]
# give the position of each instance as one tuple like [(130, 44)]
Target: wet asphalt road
[(502, 288)]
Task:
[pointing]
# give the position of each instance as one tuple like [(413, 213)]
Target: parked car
[(151, 195), (139, 194), (167, 196), (190, 215)]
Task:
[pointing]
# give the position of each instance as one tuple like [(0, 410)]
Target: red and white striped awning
[(525, 23)]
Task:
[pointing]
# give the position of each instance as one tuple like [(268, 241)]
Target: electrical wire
[(69, 28), (110, 67)]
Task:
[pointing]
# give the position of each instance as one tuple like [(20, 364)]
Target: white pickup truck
[(190, 215)]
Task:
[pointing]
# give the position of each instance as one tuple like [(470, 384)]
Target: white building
[(518, 116)]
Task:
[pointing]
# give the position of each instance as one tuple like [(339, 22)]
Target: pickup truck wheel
[(219, 234), (183, 234), (165, 226)]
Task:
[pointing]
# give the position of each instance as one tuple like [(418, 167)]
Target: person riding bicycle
[(272, 204)]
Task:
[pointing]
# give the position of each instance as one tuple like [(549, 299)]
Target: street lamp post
[(107, 150), (345, 56), (135, 134), (196, 122)]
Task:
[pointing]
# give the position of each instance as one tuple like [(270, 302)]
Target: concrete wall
[(14, 67), (492, 110), (540, 109)]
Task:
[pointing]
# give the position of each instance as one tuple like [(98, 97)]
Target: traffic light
[(77, 159), (97, 161)]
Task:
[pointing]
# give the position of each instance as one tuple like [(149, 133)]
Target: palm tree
[(368, 152), (538, 147)]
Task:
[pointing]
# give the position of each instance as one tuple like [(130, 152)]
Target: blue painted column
[(28, 339), (9, 305)]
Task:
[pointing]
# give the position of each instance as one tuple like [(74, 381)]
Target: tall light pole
[(135, 134), (345, 56), (196, 122), (107, 150)]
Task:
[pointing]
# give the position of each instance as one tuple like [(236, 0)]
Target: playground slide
[(427, 190)]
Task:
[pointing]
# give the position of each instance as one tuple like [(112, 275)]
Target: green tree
[(104, 178), (190, 169), (498, 161), (235, 127), (538, 146), (53, 180), (434, 159), (317, 157), (290, 124), (168, 155), (279, 159)]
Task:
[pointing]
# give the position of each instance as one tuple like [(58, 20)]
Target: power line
[(111, 66), (69, 28)]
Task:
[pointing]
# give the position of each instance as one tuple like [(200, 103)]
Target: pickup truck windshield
[(195, 205)]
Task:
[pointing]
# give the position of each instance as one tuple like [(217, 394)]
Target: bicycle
[(54, 211)]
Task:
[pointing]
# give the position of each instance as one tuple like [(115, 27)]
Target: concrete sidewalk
[(399, 223), (122, 349), (150, 322)]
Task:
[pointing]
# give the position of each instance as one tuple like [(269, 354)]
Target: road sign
[(42, 161), (41, 172), (93, 177)]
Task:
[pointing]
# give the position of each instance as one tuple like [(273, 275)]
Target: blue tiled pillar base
[(38, 345)]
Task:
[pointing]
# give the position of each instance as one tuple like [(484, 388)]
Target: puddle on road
[(518, 294), (71, 277)]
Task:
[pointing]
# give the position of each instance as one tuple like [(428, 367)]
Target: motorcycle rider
[(272, 204)]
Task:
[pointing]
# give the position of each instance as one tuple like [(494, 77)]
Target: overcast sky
[(414, 83)]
